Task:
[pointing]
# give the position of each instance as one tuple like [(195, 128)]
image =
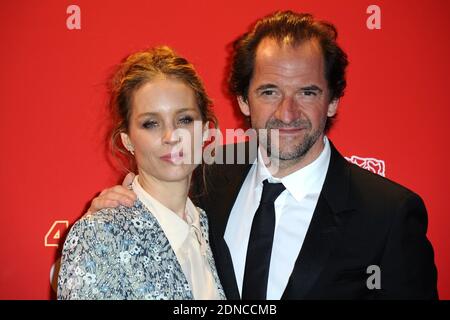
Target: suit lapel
[(225, 181), (316, 248), (324, 229), (222, 193)]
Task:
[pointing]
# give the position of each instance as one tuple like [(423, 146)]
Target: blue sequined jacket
[(123, 253)]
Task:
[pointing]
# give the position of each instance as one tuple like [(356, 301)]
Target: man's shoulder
[(376, 186), (362, 182)]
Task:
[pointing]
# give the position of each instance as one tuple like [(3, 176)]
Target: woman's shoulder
[(107, 216), (108, 232), (113, 221), (112, 215)]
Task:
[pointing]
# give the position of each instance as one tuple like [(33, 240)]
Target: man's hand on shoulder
[(115, 196)]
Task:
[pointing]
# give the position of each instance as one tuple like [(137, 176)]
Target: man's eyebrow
[(312, 88), (266, 86)]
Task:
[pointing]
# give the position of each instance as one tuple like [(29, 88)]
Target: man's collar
[(303, 181)]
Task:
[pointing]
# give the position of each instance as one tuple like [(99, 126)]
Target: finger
[(112, 197), (109, 199), (110, 203), (119, 196), (107, 203), (122, 191), (128, 179), (101, 203), (118, 189)]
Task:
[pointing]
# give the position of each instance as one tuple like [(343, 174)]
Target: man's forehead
[(274, 54), (270, 45)]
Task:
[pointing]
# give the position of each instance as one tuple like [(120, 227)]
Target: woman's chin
[(176, 174)]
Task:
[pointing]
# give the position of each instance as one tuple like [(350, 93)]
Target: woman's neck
[(172, 195)]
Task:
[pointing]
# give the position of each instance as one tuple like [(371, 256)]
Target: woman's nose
[(171, 136)]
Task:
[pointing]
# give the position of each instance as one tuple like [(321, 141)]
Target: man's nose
[(287, 111)]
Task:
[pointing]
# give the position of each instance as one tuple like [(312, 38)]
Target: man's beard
[(301, 148)]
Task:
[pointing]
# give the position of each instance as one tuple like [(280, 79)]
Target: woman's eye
[(186, 120), (149, 124)]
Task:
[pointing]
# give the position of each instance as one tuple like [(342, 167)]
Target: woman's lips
[(176, 157)]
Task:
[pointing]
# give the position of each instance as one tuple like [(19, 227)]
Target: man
[(298, 221)]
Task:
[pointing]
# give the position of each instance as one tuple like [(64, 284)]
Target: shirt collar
[(175, 228), (304, 181)]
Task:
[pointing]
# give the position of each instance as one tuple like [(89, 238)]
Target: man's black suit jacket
[(361, 219)]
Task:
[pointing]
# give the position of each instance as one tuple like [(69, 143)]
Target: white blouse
[(186, 240)]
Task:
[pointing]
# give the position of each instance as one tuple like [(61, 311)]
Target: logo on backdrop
[(54, 234), (371, 164)]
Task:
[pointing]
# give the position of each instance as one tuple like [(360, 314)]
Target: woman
[(157, 249)]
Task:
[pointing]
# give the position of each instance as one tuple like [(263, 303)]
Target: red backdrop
[(53, 118)]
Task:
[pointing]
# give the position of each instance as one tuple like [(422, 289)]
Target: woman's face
[(161, 130)]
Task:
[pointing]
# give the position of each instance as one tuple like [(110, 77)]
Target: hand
[(115, 196)]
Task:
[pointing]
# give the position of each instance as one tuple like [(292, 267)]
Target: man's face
[(289, 92)]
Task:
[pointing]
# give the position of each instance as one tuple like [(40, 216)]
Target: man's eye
[(309, 93), (149, 124), (268, 92)]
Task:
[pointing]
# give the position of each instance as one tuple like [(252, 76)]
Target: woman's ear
[(127, 142)]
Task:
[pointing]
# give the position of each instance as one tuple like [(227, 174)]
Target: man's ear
[(126, 141), (332, 108), (243, 104)]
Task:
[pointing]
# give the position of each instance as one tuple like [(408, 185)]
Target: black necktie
[(260, 242)]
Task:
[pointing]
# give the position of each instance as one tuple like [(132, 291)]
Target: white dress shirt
[(186, 241), (294, 209)]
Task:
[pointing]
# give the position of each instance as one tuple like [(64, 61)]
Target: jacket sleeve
[(407, 266), (87, 263)]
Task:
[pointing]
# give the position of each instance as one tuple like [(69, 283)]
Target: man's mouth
[(290, 130)]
